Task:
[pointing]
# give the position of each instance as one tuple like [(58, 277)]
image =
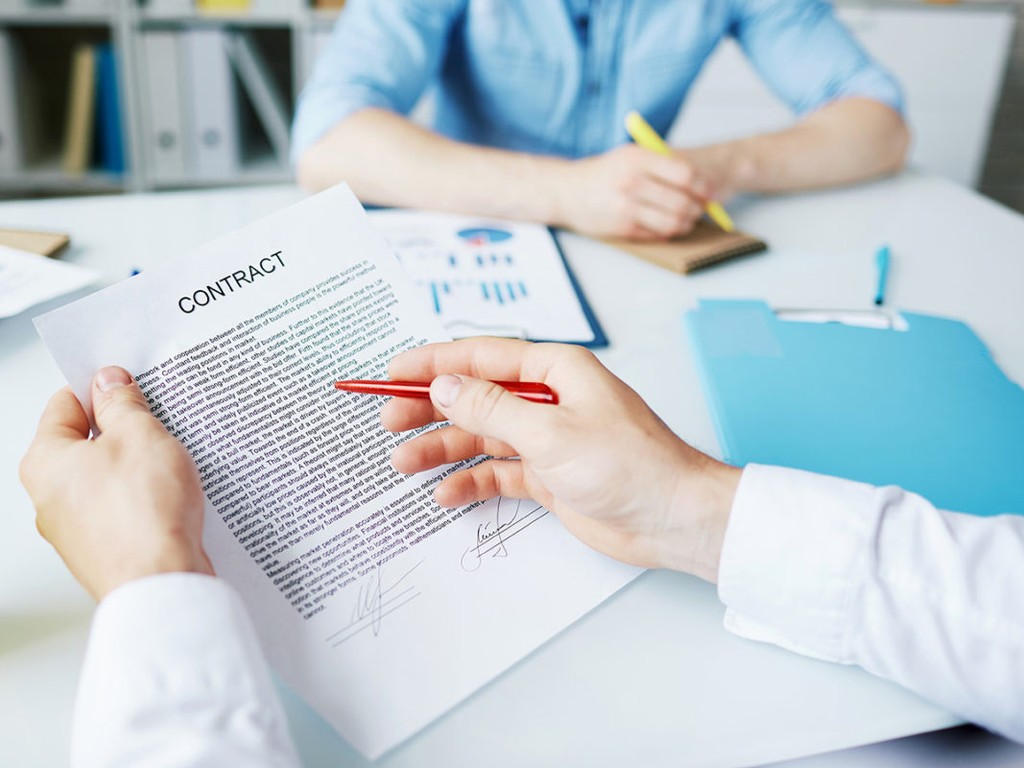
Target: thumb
[(114, 396), (483, 408)]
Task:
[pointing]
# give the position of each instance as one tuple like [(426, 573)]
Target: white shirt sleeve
[(174, 676), (878, 577)]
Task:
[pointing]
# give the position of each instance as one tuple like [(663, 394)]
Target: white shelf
[(49, 16), (56, 180)]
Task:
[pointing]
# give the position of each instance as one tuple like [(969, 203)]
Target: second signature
[(510, 518)]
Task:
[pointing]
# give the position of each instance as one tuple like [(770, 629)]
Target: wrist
[(699, 511), (729, 167), (555, 178), (169, 556)]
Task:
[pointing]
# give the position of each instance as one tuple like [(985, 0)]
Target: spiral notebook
[(704, 246)]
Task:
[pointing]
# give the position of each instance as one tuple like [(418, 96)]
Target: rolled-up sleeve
[(807, 56), (380, 54), (879, 577)]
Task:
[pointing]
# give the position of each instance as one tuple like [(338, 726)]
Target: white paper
[(378, 607), (487, 277), (27, 279)]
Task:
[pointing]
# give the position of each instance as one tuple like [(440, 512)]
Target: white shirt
[(828, 568)]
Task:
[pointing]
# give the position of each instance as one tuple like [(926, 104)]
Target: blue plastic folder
[(925, 408)]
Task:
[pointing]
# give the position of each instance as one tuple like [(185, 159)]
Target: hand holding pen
[(644, 135), (601, 460), (631, 193)]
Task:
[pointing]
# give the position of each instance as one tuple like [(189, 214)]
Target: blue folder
[(109, 141), (925, 408)]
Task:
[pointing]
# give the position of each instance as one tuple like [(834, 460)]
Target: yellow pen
[(648, 138)]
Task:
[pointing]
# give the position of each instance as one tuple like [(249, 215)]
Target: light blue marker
[(882, 262)]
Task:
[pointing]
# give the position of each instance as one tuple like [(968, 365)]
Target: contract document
[(378, 607)]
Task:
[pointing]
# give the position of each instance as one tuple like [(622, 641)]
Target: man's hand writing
[(601, 460)]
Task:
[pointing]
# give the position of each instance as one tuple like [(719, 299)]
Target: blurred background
[(132, 95)]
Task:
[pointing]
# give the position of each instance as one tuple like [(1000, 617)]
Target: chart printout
[(378, 607), (487, 277)]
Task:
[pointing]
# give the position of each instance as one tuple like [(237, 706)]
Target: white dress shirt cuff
[(174, 676), (793, 550)]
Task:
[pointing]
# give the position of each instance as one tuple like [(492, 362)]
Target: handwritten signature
[(510, 518), (374, 601)]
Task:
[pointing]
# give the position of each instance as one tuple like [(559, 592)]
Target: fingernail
[(445, 389), (111, 378)]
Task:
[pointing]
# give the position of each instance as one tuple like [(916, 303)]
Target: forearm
[(880, 578), (845, 141), (389, 160)]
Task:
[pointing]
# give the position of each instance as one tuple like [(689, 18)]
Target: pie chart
[(483, 235)]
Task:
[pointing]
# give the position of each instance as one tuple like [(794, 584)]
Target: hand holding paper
[(124, 505)]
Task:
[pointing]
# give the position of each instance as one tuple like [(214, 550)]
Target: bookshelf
[(232, 127), (160, 127)]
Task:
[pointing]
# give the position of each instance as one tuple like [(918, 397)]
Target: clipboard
[(918, 402)]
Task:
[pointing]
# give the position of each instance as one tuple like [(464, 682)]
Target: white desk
[(650, 678)]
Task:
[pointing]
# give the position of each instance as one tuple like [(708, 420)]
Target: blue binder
[(925, 408), (109, 141)]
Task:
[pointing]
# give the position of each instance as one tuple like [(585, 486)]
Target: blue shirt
[(558, 76)]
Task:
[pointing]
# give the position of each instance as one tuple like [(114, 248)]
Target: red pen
[(533, 391)]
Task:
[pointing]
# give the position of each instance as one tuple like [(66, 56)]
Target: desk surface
[(649, 678)]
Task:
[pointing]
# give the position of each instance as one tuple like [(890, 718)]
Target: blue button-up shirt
[(558, 76)]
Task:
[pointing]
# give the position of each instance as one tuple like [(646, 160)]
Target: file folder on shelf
[(212, 114), (109, 138), (81, 112), (10, 111), (165, 114), (926, 408)]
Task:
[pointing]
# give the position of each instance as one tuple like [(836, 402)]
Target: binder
[(81, 113), (165, 109), (212, 114), (110, 140), (258, 83), (10, 129), (922, 405)]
